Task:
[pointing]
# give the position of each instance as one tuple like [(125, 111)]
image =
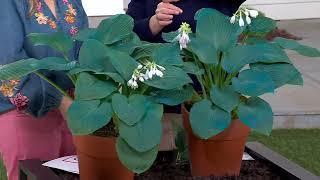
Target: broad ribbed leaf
[(216, 28), (173, 97), (238, 57), (135, 161), (257, 114), (18, 69), (281, 73), (171, 36), (86, 117), (168, 54), (225, 97), (146, 134), (192, 68), (262, 24), (207, 120), (58, 41), (85, 34), (122, 62), (114, 76), (93, 55), (299, 48), (205, 51), (253, 83), (128, 44), (129, 110), (114, 29), (88, 87), (145, 50), (173, 78)]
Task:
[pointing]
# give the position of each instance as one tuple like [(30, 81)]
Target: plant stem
[(196, 60), (53, 84)]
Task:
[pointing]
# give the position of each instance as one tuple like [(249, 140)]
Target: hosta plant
[(121, 84), (233, 72)]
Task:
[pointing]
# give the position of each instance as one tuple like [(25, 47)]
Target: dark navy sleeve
[(42, 97), (137, 10), (229, 7)]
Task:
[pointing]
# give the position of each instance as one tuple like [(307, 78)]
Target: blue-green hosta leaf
[(208, 120), (88, 87), (168, 54), (114, 76), (145, 50), (253, 83), (281, 73), (146, 134), (256, 40), (135, 161), (122, 62), (128, 44), (86, 117), (85, 34), (171, 36), (238, 57), (173, 78), (173, 97), (58, 41), (18, 69), (257, 114), (93, 55), (216, 28), (205, 51), (192, 68), (129, 110), (262, 24), (225, 97), (114, 29), (297, 80), (299, 48)]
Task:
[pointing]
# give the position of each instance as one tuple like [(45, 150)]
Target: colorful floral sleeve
[(31, 93)]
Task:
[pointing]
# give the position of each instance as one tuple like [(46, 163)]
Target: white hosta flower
[(233, 19), (253, 13), (154, 69), (140, 66), (248, 20), (150, 70), (183, 37), (184, 40), (241, 22), (136, 77), (243, 11), (133, 84)]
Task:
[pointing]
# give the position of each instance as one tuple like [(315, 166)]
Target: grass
[(300, 146), (3, 173)]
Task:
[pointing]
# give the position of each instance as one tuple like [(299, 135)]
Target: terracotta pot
[(220, 155), (98, 159)]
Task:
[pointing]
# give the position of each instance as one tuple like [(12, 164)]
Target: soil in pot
[(166, 170)]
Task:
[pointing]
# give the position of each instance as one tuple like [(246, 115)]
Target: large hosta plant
[(120, 82), (233, 72)]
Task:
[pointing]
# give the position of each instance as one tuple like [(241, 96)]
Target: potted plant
[(233, 72), (121, 84)]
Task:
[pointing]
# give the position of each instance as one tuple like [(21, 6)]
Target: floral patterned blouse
[(31, 93)]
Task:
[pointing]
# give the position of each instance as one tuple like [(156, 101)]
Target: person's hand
[(163, 15), (64, 106)]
